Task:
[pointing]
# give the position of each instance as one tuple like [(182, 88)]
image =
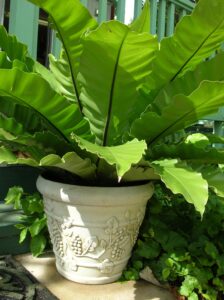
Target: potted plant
[(106, 120)]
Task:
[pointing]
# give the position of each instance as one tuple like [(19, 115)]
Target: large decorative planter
[(93, 229)]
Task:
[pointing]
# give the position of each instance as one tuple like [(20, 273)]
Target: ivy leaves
[(33, 224), (180, 248)]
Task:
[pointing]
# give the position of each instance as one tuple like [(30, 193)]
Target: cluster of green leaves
[(180, 247), (33, 224)]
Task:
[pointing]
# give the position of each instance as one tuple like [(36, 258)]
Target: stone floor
[(44, 270)]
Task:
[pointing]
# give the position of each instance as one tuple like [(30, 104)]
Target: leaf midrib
[(177, 120), (197, 50), (70, 66), (110, 106), (19, 100)]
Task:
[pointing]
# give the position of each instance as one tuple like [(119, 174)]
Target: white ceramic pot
[(93, 229)]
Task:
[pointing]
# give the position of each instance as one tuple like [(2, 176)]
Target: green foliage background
[(33, 224), (180, 247)]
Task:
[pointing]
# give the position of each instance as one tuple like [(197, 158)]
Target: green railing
[(25, 20)]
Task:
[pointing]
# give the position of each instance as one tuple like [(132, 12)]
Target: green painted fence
[(24, 18)]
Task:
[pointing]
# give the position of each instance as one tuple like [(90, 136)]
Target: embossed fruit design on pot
[(93, 229)]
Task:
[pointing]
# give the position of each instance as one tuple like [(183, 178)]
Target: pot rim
[(94, 195), (126, 186)]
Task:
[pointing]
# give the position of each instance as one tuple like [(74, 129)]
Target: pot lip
[(93, 187), (17, 166), (93, 195)]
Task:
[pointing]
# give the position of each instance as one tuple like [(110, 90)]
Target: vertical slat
[(23, 23), (161, 19), (218, 128), (213, 55), (182, 14), (138, 8), (2, 11), (170, 19), (102, 11), (85, 2), (55, 47), (121, 10), (153, 14)]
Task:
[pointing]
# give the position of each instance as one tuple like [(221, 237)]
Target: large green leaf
[(138, 173), (180, 178), (122, 156), (215, 178), (195, 38), (11, 126), (142, 22), (62, 116), (211, 70), (23, 146), (61, 71), (36, 145), (109, 93), (70, 162), (198, 151), (47, 75), (14, 53), (31, 121), (71, 20), (51, 143), (12, 130), (4, 61), (10, 45), (181, 112), (9, 157)]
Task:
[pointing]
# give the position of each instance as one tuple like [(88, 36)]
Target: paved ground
[(44, 270)]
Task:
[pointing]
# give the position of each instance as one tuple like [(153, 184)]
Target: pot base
[(87, 280)]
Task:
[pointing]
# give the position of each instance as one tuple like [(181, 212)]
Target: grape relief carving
[(117, 239)]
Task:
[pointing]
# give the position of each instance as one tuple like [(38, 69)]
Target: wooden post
[(161, 19), (2, 11), (121, 10), (55, 47), (23, 23), (138, 8), (85, 2), (153, 13), (170, 19), (102, 11)]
